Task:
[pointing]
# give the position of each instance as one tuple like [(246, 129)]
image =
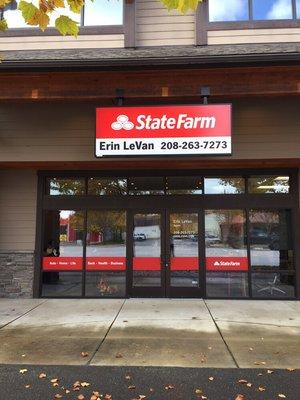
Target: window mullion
[(250, 7), (294, 8)]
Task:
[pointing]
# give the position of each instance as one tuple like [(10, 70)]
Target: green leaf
[(3, 25), (28, 11), (66, 26), (75, 5), (181, 5)]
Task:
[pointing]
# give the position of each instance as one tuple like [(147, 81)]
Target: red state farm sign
[(226, 263), (163, 130)]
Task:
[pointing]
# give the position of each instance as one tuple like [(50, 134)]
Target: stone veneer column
[(16, 274)]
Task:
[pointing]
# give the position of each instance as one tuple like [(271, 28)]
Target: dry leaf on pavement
[(282, 396), (131, 387), (169, 387), (262, 389), (22, 371), (42, 375), (240, 397)]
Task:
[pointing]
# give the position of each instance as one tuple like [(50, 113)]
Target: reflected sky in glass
[(298, 8), (228, 10), (103, 12), (272, 9)]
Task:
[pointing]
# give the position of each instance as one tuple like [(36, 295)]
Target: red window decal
[(184, 264), (62, 263), (146, 264), (226, 263), (106, 263)]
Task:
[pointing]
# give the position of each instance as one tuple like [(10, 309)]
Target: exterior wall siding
[(245, 36), (61, 42), (18, 192), (262, 128), (156, 26)]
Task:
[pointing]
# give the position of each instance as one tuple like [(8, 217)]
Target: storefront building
[(202, 218)]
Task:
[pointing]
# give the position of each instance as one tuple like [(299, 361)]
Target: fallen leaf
[(211, 378), (240, 397), (97, 394), (42, 375), (119, 355), (27, 386), (243, 381), (84, 354), (55, 384), (250, 348), (58, 396), (131, 387), (262, 389), (282, 396), (249, 384), (169, 387), (291, 369), (198, 391), (80, 397), (85, 384), (67, 391), (108, 397), (22, 371), (23, 355), (55, 380), (270, 371), (209, 348), (260, 374), (128, 377)]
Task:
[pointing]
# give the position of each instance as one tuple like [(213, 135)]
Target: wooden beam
[(183, 84), (157, 164)]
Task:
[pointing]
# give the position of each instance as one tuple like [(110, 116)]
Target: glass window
[(15, 20), (62, 284), (103, 12), (106, 240), (229, 10), (147, 250), (225, 185), (184, 185), (271, 240), (65, 187), (273, 285), (298, 8), (184, 249), (225, 240), (272, 9), (107, 186), (105, 284), (269, 184), (147, 185), (226, 284)]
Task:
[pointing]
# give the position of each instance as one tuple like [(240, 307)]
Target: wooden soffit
[(174, 83)]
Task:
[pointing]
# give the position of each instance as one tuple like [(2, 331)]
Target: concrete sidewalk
[(151, 332)]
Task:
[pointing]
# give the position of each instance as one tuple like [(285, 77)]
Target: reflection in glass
[(62, 284), (65, 187), (106, 234), (226, 185), (107, 186), (103, 12), (298, 8), (227, 284), (229, 10), (225, 233), (183, 185), (272, 285), (184, 249), (62, 251), (105, 284), (271, 240), (268, 184), (272, 9), (147, 250), (146, 185)]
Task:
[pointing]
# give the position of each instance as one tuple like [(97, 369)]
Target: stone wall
[(16, 274)]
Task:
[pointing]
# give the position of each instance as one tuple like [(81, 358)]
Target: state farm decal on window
[(163, 130), (226, 263)]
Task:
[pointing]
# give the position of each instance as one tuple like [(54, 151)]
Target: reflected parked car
[(139, 237)]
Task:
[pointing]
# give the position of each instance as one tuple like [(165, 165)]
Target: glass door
[(148, 278), (183, 269), (165, 254)]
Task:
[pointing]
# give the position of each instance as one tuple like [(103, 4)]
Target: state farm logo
[(122, 122), (181, 121), (227, 264)]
